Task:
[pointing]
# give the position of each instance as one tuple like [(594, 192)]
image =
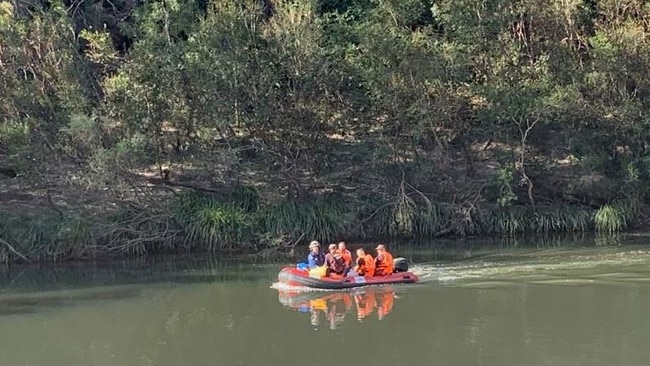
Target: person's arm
[(360, 263), (338, 258), (311, 260)]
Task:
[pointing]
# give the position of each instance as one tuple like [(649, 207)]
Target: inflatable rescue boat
[(300, 276)]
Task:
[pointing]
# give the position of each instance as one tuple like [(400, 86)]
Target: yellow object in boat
[(318, 272)]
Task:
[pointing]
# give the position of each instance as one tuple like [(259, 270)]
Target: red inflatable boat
[(294, 276)]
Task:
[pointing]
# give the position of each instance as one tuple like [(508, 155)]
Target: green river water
[(573, 303)]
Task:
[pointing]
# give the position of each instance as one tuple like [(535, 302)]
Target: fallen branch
[(13, 250), (426, 199), (297, 241)]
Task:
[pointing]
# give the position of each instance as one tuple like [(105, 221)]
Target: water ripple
[(582, 267)]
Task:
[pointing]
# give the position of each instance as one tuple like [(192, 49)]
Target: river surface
[(564, 302)]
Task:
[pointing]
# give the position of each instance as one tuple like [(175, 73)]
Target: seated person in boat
[(383, 261), (315, 258), (365, 264), (334, 261), (346, 255)]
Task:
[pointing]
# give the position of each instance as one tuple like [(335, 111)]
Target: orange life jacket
[(368, 267), (347, 257), (384, 264)]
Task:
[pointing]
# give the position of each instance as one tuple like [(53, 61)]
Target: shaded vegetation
[(130, 127)]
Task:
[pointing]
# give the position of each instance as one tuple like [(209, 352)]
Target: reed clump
[(613, 218), (321, 219), (46, 237), (210, 223), (409, 219), (239, 219), (512, 221)]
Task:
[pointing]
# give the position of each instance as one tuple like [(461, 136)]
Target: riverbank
[(67, 226)]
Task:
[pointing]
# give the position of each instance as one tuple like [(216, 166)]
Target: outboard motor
[(400, 265)]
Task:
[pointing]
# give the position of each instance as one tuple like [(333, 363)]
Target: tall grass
[(411, 220), (501, 221), (610, 219), (405, 218), (512, 221), (321, 219), (46, 237), (431, 219), (561, 219), (245, 197), (211, 224)]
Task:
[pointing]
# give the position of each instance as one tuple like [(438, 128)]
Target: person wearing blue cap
[(315, 258)]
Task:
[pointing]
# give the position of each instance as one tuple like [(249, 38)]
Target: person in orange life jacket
[(365, 264), (383, 261), (334, 261), (346, 255), (315, 258)]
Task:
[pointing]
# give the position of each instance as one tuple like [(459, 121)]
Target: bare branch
[(13, 250)]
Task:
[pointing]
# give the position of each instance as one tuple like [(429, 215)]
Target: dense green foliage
[(228, 124)]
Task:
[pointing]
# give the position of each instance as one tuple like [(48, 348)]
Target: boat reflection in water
[(334, 306)]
